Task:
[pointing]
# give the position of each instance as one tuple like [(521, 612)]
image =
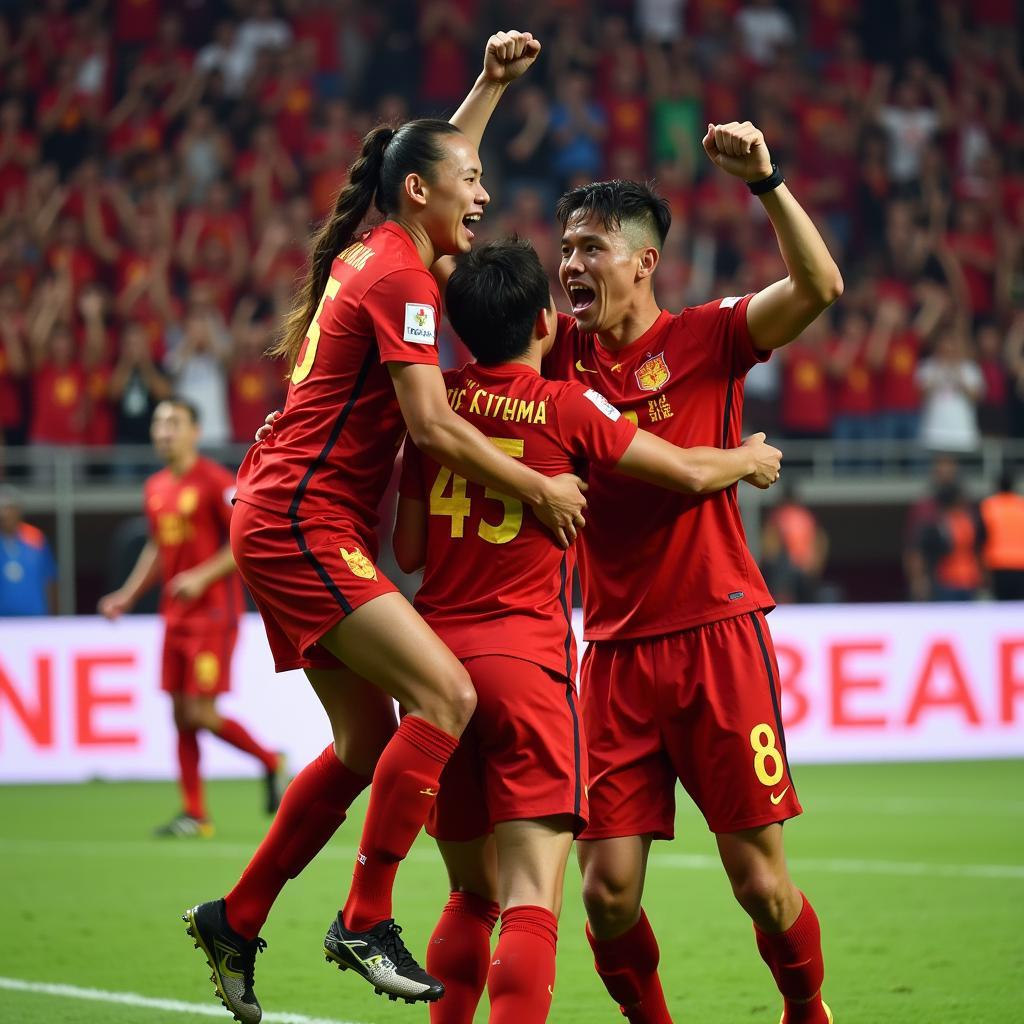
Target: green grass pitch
[(917, 872)]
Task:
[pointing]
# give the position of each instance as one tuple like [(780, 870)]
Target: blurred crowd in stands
[(161, 165)]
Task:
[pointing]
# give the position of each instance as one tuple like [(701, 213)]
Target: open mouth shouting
[(581, 296), (470, 218)]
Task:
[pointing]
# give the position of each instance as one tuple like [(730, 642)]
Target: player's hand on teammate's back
[(509, 55), (187, 585), (112, 606), (268, 425), (561, 508), (739, 149), (767, 459)]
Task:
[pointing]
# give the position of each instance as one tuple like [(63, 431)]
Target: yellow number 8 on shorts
[(762, 742)]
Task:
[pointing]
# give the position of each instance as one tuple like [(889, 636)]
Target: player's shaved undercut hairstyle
[(628, 206), (494, 296), (376, 179)]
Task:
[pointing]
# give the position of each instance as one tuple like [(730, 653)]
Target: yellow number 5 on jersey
[(305, 365)]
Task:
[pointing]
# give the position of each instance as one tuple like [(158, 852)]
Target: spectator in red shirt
[(14, 366), (806, 393), (288, 97), (58, 385), (628, 109), (854, 394), (19, 151), (971, 244), (256, 382)]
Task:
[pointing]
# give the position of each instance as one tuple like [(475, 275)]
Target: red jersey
[(654, 561), (189, 518), (496, 581), (806, 402), (899, 374), (333, 448), (58, 404)]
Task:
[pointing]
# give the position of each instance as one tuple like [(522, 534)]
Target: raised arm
[(699, 470), (777, 314), (449, 439), (506, 56)]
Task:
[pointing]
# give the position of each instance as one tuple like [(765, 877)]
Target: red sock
[(459, 954), (237, 735), (402, 794), (521, 980), (628, 966), (188, 774), (795, 960), (313, 807)]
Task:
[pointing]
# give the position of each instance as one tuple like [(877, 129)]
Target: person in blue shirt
[(28, 573)]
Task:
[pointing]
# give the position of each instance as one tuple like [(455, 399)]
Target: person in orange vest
[(950, 543), (1003, 516), (794, 549)]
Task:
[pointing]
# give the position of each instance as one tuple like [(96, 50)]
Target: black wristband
[(774, 180)]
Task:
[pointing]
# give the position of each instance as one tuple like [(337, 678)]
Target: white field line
[(660, 859), (97, 995)]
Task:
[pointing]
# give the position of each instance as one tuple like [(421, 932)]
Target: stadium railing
[(68, 482)]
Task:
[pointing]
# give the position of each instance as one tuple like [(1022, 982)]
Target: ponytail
[(377, 178), (335, 235)]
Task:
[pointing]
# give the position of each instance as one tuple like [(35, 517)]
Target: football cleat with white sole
[(184, 826), (380, 956), (231, 957)]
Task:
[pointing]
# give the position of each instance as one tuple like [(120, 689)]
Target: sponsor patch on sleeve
[(602, 403), (420, 325), (729, 301)]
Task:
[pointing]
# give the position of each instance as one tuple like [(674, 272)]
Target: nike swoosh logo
[(582, 368), (225, 956), (778, 799)]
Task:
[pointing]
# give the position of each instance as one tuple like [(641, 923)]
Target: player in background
[(362, 346), (674, 604), (188, 505), (497, 590)]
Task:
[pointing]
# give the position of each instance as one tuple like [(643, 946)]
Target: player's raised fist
[(509, 55), (738, 148)]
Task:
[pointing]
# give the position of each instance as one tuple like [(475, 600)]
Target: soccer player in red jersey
[(674, 605), (362, 347), (188, 505), (497, 590)]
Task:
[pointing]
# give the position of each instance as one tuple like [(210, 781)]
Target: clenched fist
[(739, 149), (509, 55)]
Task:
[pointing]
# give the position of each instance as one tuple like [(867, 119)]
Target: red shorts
[(305, 577), (522, 755), (700, 705), (197, 663)]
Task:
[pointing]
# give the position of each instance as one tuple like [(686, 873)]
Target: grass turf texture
[(915, 931)]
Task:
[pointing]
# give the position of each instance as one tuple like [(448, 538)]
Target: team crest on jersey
[(188, 501), (359, 565), (654, 373)]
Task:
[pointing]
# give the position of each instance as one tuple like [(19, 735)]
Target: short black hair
[(183, 403), (494, 296), (617, 204)]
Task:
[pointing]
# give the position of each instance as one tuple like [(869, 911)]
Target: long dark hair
[(375, 179)]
